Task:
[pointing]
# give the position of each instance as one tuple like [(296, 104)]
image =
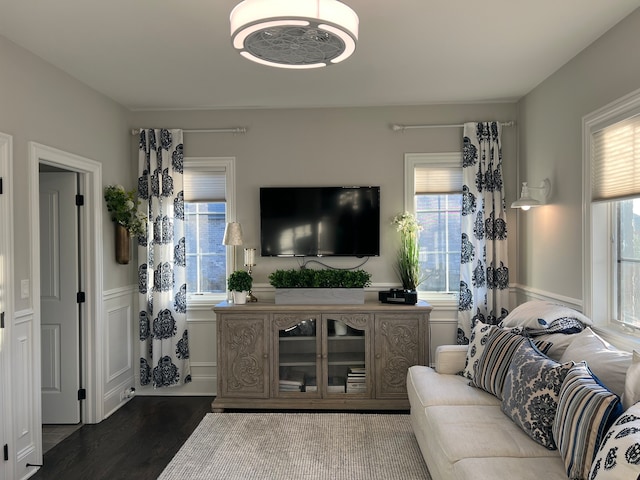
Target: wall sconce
[(526, 201)]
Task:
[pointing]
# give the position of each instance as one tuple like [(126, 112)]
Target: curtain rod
[(136, 131), (401, 128)]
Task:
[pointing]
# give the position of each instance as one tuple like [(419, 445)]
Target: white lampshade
[(232, 234), (294, 33)]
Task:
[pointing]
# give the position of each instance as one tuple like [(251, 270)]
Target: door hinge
[(2, 320), (80, 297), (6, 452), (79, 200), (82, 394)]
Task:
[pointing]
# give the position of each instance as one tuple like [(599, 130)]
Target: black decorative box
[(399, 296)]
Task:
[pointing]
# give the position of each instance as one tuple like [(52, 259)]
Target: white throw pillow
[(606, 362), (632, 382), (539, 314)]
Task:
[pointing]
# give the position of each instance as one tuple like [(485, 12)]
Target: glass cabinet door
[(347, 339), (297, 356)]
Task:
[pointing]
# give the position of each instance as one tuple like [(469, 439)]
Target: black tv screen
[(320, 221)]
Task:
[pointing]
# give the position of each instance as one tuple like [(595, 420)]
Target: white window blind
[(438, 179), (204, 184), (615, 166)]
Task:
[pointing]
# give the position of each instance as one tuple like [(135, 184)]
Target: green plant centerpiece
[(328, 278), (239, 283), (329, 286), (408, 260)]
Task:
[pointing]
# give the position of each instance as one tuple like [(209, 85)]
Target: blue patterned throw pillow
[(619, 453), (586, 410), (492, 367), (530, 394)]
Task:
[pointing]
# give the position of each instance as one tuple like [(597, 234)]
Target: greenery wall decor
[(326, 278)]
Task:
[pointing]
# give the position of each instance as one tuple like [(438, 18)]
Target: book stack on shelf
[(357, 380), (291, 381)]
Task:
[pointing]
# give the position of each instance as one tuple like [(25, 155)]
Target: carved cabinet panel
[(243, 339), (399, 343)]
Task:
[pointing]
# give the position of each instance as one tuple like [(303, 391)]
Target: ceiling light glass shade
[(294, 33)]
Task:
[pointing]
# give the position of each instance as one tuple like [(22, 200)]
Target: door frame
[(6, 282), (90, 228)]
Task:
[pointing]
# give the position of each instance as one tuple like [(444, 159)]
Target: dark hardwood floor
[(137, 442)]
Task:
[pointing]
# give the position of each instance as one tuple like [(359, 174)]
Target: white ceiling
[(147, 54)]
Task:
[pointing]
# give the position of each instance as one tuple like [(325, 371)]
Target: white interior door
[(58, 298)]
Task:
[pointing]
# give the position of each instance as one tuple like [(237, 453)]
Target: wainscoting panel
[(119, 319), (26, 394)]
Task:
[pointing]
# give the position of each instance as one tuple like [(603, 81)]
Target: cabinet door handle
[(318, 356), (378, 355), (265, 355)]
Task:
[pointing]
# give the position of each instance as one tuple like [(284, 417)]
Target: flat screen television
[(320, 221)]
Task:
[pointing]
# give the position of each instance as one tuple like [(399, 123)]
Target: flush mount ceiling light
[(294, 33), (526, 201)]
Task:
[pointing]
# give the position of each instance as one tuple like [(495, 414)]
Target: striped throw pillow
[(586, 410), (492, 367)]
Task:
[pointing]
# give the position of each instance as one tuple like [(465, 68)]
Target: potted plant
[(408, 260), (239, 283), (123, 209), (306, 286)]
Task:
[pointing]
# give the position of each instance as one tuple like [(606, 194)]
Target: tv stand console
[(334, 357)]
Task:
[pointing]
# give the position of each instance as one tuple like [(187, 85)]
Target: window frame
[(228, 163), (600, 244), (426, 160)]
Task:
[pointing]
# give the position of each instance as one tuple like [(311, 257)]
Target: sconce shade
[(232, 234), (526, 201)]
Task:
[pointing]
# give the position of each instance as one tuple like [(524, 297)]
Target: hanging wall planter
[(123, 245)]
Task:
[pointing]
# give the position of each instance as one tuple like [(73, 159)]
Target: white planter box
[(319, 296)]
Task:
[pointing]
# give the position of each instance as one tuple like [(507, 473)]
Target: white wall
[(550, 118)]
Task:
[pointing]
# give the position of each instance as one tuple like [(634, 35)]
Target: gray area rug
[(282, 446)]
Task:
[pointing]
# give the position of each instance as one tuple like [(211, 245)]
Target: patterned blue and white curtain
[(484, 273), (164, 344)]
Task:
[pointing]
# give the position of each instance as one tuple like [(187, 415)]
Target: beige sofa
[(463, 432)]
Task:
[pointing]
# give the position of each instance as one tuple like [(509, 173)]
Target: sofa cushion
[(605, 361), (632, 382), (492, 367), (559, 343), (427, 388), (537, 314), (585, 412), (477, 341), (530, 394), (494, 468), (619, 454), (466, 431)]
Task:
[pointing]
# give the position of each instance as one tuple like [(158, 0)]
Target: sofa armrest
[(450, 359)]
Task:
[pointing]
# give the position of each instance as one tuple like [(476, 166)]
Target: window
[(208, 200), (611, 182), (628, 262), (433, 192)]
